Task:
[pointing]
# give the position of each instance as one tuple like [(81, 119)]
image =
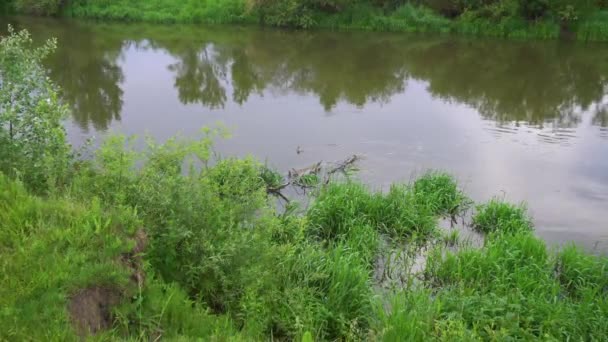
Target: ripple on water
[(545, 133)]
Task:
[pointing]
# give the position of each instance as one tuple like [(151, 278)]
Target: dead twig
[(343, 165), (297, 177), (279, 194)]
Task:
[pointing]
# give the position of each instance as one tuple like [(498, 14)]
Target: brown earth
[(90, 309)]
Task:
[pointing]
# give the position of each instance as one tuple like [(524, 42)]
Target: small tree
[(32, 138)]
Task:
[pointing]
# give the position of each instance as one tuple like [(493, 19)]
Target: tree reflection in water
[(527, 83)]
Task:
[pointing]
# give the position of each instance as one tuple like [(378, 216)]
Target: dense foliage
[(184, 246), (506, 18), (33, 140)]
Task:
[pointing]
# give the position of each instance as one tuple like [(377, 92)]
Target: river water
[(527, 121)]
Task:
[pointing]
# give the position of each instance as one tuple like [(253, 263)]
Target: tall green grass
[(513, 288), (404, 212), (165, 11), (502, 217), (406, 18), (515, 28), (593, 28), (442, 194), (51, 249)]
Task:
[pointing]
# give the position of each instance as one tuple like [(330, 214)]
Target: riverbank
[(504, 19), (170, 242), (204, 267)]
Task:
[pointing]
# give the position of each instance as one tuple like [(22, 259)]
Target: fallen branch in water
[(344, 165), (313, 169), (279, 194), (309, 177)]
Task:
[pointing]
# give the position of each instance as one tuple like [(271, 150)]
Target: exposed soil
[(91, 309)]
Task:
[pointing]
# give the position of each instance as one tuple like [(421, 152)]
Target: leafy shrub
[(571, 10), (285, 13), (32, 138)]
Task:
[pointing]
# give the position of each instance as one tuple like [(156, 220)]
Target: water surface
[(527, 121)]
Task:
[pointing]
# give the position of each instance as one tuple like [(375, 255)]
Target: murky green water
[(523, 120)]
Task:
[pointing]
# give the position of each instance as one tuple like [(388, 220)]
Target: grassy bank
[(537, 19), (168, 242)]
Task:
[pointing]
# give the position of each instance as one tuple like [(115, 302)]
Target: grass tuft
[(442, 194), (502, 217)]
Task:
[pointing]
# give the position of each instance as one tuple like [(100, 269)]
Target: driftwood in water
[(319, 172), (344, 165), (314, 169)]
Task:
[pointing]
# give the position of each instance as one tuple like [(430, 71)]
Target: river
[(527, 121)]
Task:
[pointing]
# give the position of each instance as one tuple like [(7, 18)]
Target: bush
[(571, 10), (198, 224), (284, 13), (32, 138)]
